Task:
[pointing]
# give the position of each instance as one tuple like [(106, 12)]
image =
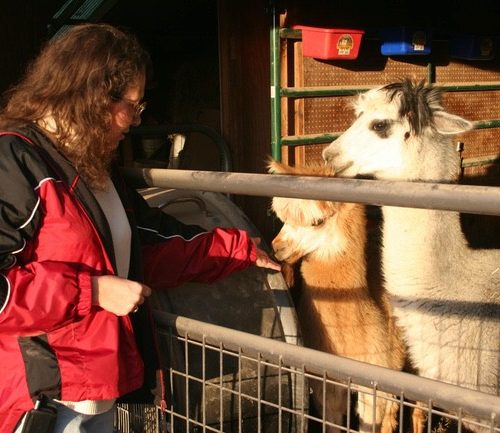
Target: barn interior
[(212, 67)]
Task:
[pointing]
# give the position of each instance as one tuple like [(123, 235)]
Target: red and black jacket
[(53, 238)]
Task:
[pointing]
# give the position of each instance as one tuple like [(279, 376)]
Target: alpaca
[(336, 310), (445, 295)]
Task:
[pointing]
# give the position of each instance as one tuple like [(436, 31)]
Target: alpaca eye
[(381, 128), (317, 223)]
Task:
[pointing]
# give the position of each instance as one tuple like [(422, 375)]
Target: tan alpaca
[(336, 310)]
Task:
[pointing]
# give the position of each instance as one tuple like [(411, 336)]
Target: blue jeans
[(69, 421)]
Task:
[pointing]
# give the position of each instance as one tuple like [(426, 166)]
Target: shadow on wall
[(482, 231)]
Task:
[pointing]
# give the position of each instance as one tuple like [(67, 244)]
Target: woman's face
[(125, 112)]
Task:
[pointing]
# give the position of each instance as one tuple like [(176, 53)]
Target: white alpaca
[(337, 311), (445, 295)]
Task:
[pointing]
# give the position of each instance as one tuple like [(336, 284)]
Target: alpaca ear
[(449, 124), (269, 164), (276, 167)]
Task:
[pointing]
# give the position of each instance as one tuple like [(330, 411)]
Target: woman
[(79, 251)]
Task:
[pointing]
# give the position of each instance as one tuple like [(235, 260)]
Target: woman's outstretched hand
[(118, 295), (263, 259)]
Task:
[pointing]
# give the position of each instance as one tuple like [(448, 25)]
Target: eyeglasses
[(138, 107)]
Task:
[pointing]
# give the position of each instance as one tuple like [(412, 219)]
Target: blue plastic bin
[(473, 47), (405, 41)]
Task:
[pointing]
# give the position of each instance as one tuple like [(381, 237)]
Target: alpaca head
[(301, 212), (401, 132), (308, 225)]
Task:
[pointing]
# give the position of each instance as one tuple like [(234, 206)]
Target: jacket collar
[(65, 171)]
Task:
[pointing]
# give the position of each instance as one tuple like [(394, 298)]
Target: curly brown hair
[(73, 81)]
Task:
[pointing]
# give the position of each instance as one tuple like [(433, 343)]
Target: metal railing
[(462, 198), (252, 410), (204, 405)]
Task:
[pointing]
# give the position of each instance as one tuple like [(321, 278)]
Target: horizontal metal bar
[(480, 161), (328, 137), (463, 198), (287, 33), (486, 124), (308, 92), (445, 396), (325, 91), (470, 87), (301, 140)]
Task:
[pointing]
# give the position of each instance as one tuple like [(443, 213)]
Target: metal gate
[(213, 358), (447, 406)]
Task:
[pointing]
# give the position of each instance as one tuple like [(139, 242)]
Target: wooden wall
[(23, 25), (320, 115), (245, 71), (245, 95), (188, 70), (231, 83)]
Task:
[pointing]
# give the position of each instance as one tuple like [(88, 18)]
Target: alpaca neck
[(432, 158), (425, 247), (345, 272)]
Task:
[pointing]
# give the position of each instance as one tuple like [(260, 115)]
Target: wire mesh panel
[(230, 381), (138, 418), (213, 388)]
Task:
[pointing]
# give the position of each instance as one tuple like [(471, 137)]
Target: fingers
[(143, 294), (140, 290), (271, 264), (256, 241), (138, 294), (264, 261), (146, 290), (118, 295)]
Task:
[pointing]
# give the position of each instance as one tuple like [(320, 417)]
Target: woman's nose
[(136, 121)]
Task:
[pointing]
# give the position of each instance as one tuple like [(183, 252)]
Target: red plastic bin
[(329, 44)]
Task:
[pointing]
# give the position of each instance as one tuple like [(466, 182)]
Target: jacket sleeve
[(175, 253), (204, 258), (35, 297)]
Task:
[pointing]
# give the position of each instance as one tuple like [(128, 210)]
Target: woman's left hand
[(263, 259)]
